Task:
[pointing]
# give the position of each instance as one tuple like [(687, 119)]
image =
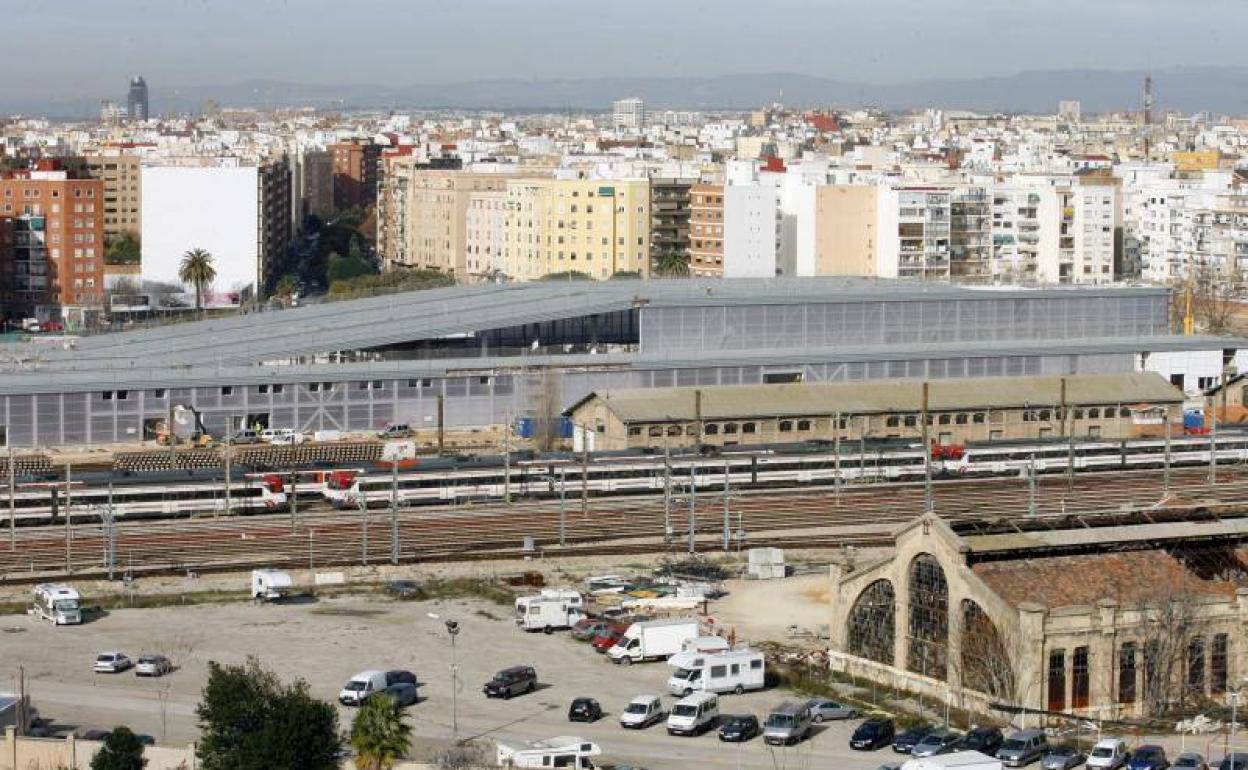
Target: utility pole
[(69, 530), (693, 497), (667, 492), (1068, 426), (927, 454), (836, 448), (507, 461), (1165, 468), (394, 512), (110, 534), (12, 500), (727, 507), (294, 500), (584, 472), (229, 442), (1213, 444), (441, 423), (563, 508), (363, 529), (1031, 487)]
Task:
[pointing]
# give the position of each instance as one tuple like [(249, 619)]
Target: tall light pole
[(452, 629)]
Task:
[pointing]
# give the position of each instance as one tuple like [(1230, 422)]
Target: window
[(1057, 680), (314, 387), (655, 431), (892, 421), (1079, 679), (262, 388), (749, 427), (978, 418), (1217, 665), (634, 430), (911, 420), (279, 388), (1196, 665), (1127, 673), (1124, 411), (712, 429), (1094, 414), (730, 427), (803, 425), (674, 430), (159, 393), (227, 390), (944, 419), (786, 426), (1045, 416), (961, 418)]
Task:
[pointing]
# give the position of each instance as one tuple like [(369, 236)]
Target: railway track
[(319, 537)]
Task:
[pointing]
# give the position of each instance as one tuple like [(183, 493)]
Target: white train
[(763, 468)]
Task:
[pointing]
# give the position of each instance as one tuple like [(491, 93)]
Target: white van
[(735, 671), (642, 711), (694, 714)]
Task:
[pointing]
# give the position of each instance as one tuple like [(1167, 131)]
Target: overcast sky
[(90, 47)]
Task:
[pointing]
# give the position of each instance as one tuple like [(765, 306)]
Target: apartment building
[(847, 235), (485, 227), (422, 215), (669, 217), (1195, 234), (751, 231), (51, 245), (237, 209), (355, 169), (599, 227), (628, 114), (311, 184), (123, 190), (706, 230)]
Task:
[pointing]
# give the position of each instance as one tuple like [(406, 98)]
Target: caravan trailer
[(58, 603)]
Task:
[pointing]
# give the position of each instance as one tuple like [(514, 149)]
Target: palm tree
[(197, 270), (379, 735), (672, 264)]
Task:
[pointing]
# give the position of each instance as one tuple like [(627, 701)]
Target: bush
[(121, 751)]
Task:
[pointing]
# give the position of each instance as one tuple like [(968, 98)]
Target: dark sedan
[(736, 729), (905, 741), (584, 710), (875, 733)]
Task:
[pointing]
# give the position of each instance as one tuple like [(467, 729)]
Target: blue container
[(565, 427), (1193, 420), (525, 427)]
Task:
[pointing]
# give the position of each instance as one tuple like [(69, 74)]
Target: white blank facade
[(206, 207), (749, 231)]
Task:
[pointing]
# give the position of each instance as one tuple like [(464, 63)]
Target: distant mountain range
[(1189, 89)]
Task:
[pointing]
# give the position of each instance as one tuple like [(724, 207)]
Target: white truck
[(58, 603), (269, 585), (562, 751), (653, 639), (706, 644), (959, 760), (552, 608), (733, 671)]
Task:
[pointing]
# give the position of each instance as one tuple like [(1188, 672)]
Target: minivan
[(511, 681), (1023, 747), (694, 714), (787, 724), (642, 711), (872, 734), (245, 436), (396, 430), (1108, 754)]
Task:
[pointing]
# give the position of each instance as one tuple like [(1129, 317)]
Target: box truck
[(269, 585), (733, 671), (552, 608), (653, 639)]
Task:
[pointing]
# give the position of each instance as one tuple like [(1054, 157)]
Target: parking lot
[(326, 641)]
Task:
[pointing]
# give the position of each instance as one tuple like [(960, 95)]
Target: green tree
[(672, 264), (379, 735), (286, 287), (197, 270), (121, 751), (123, 249), (248, 719), (567, 275)]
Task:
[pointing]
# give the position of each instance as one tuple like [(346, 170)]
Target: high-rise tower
[(136, 102)]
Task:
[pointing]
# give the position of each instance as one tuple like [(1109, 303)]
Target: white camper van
[(562, 751), (58, 603), (270, 584), (552, 608), (734, 671)]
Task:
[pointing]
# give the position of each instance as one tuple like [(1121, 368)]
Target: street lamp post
[(452, 630)]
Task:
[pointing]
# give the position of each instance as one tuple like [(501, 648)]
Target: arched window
[(987, 662), (871, 623), (928, 624)]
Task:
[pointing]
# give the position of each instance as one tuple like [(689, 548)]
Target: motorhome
[(958, 760), (58, 603), (562, 751), (551, 609), (269, 585), (733, 671), (653, 639), (706, 644)]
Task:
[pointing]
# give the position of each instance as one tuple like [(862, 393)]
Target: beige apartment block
[(123, 191), (706, 230), (597, 227), (846, 240)]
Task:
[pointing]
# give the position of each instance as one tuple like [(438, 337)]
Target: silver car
[(935, 742), (111, 663), (152, 665), (822, 708), (1062, 758)]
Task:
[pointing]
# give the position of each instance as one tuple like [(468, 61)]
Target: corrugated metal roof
[(1047, 540), (759, 401)]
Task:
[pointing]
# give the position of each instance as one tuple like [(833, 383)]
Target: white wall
[(749, 231), (201, 207)]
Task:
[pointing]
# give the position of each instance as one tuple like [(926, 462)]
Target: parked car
[(152, 665), (607, 638), (642, 711), (112, 663), (403, 589), (93, 734), (1236, 761), (904, 741), (396, 430), (1062, 758), (584, 710), (401, 676), (874, 733), (586, 629), (1190, 761), (511, 681), (940, 741), (244, 436), (404, 693), (985, 740), (1023, 747), (736, 728), (1148, 757), (822, 708), (1108, 754)]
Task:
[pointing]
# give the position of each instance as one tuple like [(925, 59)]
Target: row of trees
[(249, 719)]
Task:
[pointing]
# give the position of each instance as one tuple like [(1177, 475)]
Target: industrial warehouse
[(1110, 406), (482, 355)]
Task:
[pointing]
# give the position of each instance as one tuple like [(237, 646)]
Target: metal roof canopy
[(437, 313), (1053, 541)]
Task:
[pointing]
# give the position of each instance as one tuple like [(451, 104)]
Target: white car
[(152, 665), (112, 663)]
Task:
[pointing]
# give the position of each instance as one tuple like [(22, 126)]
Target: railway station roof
[(464, 310), (875, 397)]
